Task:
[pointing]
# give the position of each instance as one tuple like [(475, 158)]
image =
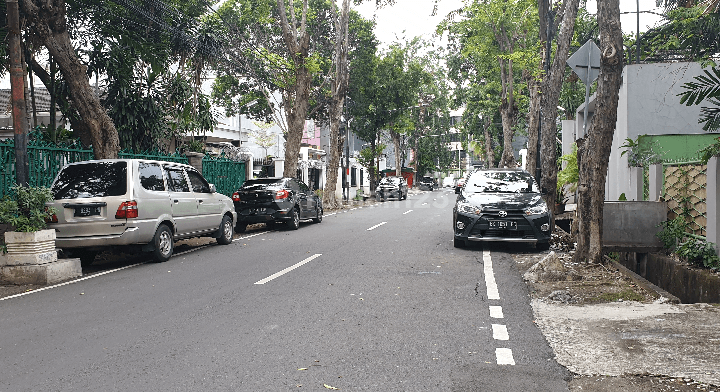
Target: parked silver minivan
[(140, 204)]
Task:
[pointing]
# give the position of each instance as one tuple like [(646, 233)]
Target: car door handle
[(200, 201), (176, 201)]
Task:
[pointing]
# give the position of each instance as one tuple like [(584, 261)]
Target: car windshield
[(390, 180), (501, 182), (262, 183), (93, 179)]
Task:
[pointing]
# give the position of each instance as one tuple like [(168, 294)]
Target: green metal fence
[(46, 160), (227, 175)]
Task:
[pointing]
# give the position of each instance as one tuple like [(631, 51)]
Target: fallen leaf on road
[(329, 387), (302, 368)]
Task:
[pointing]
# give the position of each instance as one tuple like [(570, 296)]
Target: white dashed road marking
[(500, 332), (407, 212), (376, 226), (496, 312), (492, 289), (504, 356), (286, 270)]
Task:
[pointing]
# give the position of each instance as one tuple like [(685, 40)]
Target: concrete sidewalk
[(620, 338)]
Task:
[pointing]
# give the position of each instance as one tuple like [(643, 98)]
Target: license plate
[(87, 211), (504, 225)]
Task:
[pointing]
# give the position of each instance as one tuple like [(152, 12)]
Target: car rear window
[(93, 179), (262, 183)]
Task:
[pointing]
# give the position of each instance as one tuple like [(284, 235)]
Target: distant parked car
[(276, 200), (501, 205), (448, 182), (392, 186), (426, 183), (139, 204)]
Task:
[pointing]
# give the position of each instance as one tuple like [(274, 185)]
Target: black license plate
[(87, 211), (503, 225)]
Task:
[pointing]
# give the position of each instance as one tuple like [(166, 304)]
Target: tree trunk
[(533, 122), (596, 151), (508, 113), (488, 145), (297, 97), (339, 90), (47, 22), (398, 158), (552, 85)]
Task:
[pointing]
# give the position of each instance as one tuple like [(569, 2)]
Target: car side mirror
[(212, 188)]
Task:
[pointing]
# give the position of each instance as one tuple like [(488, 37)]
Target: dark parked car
[(391, 186), (501, 205), (426, 183), (274, 200)]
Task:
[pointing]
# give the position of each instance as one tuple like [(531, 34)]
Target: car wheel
[(163, 242), (319, 215), (226, 231), (294, 222), (459, 243), (86, 257), (542, 246), (240, 227)]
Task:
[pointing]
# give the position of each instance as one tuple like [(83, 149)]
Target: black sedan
[(501, 205), (391, 186), (276, 200)]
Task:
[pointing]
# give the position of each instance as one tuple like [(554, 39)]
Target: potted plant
[(24, 211)]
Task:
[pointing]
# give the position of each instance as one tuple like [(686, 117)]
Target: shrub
[(700, 252), (25, 208)]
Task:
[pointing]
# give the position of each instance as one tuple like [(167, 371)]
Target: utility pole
[(17, 88)]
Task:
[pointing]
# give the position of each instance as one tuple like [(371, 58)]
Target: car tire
[(87, 257), (459, 243), (294, 222), (163, 244), (240, 227), (319, 215), (226, 231)]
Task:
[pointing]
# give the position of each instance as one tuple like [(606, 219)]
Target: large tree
[(47, 25), (594, 151)]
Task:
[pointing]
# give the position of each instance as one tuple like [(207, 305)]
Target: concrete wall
[(632, 225)]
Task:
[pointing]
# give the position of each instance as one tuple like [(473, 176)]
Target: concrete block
[(631, 226), (29, 258), (44, 274), (655, 182), (636, 190), (36, 247)]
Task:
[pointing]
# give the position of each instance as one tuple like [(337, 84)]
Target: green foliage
[(641, 154), (368, 155), (710, 151), (570, 174), (622, 197), (195, 146), (672, 232), (699, 252), (25, 209)]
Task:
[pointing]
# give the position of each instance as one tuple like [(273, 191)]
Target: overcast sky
[(411, 18)]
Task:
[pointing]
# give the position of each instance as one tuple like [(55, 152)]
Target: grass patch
[(626, 295)]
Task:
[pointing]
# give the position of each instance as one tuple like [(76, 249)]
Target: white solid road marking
[(496, 312), (407, 212), (244, 238), (504, 356), (376, 226), (286, 270), (500, 332), (492, 289), (72, 281)]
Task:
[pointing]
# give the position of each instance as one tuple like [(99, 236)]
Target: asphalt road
[(372, 299)]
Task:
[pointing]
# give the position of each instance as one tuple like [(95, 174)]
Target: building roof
[(42, 100)]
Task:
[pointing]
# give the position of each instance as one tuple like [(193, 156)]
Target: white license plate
[(504, 225)]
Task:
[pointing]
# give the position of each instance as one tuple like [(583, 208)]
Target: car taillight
[(51, 219), (236, 196), (127, 210), (282, 194)]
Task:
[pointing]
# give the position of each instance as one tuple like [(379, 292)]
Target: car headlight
[(537, 209), (469, 208)]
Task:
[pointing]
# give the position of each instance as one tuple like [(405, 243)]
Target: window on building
[(353, 177)]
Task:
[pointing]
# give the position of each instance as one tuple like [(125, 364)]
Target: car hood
[(503, 200)]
